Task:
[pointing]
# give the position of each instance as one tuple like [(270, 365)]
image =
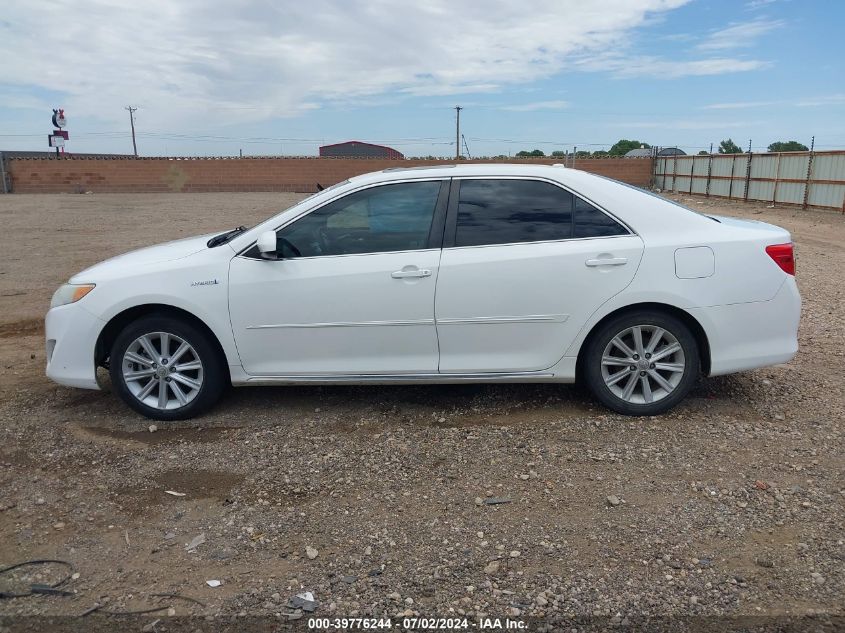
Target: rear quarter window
[(592, 222)]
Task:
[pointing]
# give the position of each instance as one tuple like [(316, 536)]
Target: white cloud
[(432, 89), (537, 105), (739, 34), (679, 37), (821, 101), (649, 66), (758, 4), (739, 105), (697, 68), (207, 63), (811, 102)]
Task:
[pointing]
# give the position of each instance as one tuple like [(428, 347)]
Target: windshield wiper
[(217, 240)]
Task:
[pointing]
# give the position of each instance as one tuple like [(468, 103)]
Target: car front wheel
[(166, 368), (642, 363)]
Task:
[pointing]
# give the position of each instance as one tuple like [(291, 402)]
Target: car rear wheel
[(166, 368), (642, 363)]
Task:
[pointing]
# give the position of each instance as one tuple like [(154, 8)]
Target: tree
[(788, 146), (532, 154), (582, 154), (558, 154), (623, 146), (703, 152), (729, 147), (600, 152)]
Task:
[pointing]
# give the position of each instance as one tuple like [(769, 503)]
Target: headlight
[(70, 293)]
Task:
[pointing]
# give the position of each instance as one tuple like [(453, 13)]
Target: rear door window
[(504, 211)]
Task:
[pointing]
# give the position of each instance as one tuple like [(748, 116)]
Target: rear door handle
[(610, 261), (406, 274)]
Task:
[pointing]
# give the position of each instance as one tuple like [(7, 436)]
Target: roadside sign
[(59, 136), (59, 118)]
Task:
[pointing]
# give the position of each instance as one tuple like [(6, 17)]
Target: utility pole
[(809, 172), (132, 123), (458, 133)]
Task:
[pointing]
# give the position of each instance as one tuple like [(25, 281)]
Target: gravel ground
[(381, 501)]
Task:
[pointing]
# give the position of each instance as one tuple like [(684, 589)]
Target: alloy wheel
[(162, 370), (643, 364)]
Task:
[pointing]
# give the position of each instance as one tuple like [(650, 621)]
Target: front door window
[(388, 218)]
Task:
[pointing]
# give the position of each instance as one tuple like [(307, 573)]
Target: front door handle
[(610, 261), (414, 272)]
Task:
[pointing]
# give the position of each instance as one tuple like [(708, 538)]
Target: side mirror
[(266, 244)]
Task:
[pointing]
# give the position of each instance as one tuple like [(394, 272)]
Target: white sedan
[(453, 274)]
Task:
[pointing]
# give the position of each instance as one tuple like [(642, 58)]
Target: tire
[(663, 371), (139, 369)]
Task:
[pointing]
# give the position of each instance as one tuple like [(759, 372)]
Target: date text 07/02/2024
[(415, 623)]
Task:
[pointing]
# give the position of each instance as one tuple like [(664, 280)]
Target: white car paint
[(335, 315), (510, 312), (530, 299)]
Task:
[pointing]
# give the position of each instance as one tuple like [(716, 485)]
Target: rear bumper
[(751, 335), (72, 335)]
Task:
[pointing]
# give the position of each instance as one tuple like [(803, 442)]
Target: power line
[(435, 140), (461, 140)]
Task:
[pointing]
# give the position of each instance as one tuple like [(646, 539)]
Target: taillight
[(783, 256)]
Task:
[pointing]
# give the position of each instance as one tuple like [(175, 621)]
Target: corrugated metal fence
[(815, 179)]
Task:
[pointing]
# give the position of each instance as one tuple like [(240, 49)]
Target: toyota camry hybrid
[(450, 274)]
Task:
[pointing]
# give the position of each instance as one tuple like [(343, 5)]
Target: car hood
[(157, 254)]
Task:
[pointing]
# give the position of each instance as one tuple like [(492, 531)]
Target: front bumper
[(751, 335), (72, 335)]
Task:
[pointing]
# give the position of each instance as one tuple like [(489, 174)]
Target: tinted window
[(506, 211), (590, 222), (381, 219)]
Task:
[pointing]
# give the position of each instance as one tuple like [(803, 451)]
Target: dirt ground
[(731, 505)]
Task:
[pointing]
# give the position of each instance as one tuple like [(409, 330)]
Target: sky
[(270, 77)]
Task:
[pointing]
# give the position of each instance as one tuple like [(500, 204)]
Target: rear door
[(525, 263)]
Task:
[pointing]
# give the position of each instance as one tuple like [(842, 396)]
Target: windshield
[(223, 238), (217, 240)]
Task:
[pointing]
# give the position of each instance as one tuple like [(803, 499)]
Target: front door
[(524, 265), (352, 292)]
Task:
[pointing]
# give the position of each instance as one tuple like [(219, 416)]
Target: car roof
[(581, 181), (458, 169)]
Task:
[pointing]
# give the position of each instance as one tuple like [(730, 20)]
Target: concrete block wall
[(166, 175)]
